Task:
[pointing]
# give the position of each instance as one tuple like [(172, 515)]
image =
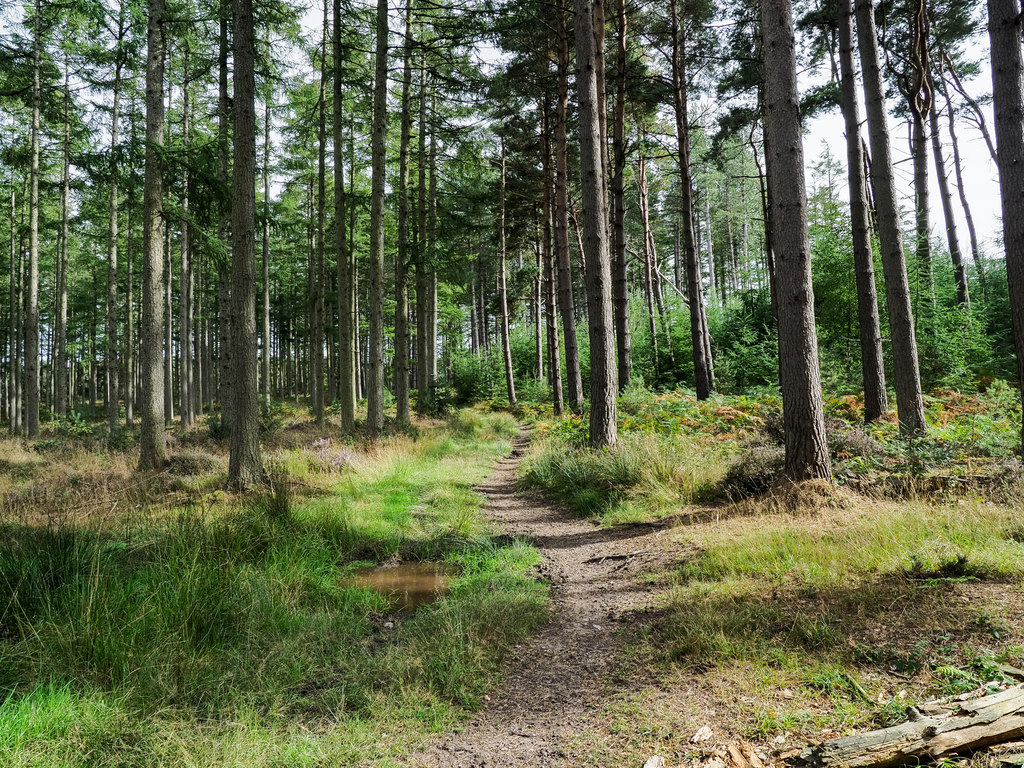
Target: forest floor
[(768, 616), (558, 682), (670, 597)]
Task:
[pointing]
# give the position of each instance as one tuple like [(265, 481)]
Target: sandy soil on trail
[(556, 683)]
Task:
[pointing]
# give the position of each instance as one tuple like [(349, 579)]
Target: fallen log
[(964, 727)]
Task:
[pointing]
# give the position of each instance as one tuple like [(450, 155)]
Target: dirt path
[(555, 684)]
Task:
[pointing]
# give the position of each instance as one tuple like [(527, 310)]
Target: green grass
[(229, 635), (644, 476), (831, 604)]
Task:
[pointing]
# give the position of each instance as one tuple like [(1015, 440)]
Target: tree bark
[(979, 261), (872, 361), (32, 300), (573, 379), (375, 372), (226, 321), (944, 731), (700, 334), (60, 321), (652, 330), (152, 443), (963, 295), (550, 312), (187, 272), (346, 366), (603, 377), (620, 268), (506, 344), (402, 254), (265, 252), (316, 340), (1004, 29), (909, 401), (245, 466), (800, 376)]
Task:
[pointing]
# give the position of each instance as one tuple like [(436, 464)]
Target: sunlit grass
[(226, 632)]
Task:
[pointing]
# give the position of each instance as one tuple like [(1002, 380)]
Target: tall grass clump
[(645, 475)]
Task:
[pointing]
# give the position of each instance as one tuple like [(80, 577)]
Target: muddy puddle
[(406, 585)]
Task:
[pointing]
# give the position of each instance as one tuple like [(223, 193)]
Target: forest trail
[(557, 682)]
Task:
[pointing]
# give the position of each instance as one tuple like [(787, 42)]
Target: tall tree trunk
[(60, 357), (1004, 29), (802, 404), (375, 374), (168, 278), (422, 269), (538, 365), (185, 312), (603, 378), (976, 110), (224, 307), (431, 360), (13, 408), (641, 188), (32, 301), (402, 255), (245, 467), (152, 443), (620, 268), (872, 361), (573, 378), (506, 344), (316, 340), (909, 401), (700, 334), (265, 252), (131, 379), (919, 99), (113, 388), (959, 273), (979, 261), (347, 395), (550, 312)]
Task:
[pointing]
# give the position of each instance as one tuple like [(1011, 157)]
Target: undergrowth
[(229, 633)]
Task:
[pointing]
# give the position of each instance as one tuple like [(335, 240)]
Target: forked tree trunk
[(909, 401), (245, 466), (979, 262), (919, 100), (378, 149), (152, 443), (872, 361), (1004, 29), (800, 376), (963, 295), (603, 378)]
